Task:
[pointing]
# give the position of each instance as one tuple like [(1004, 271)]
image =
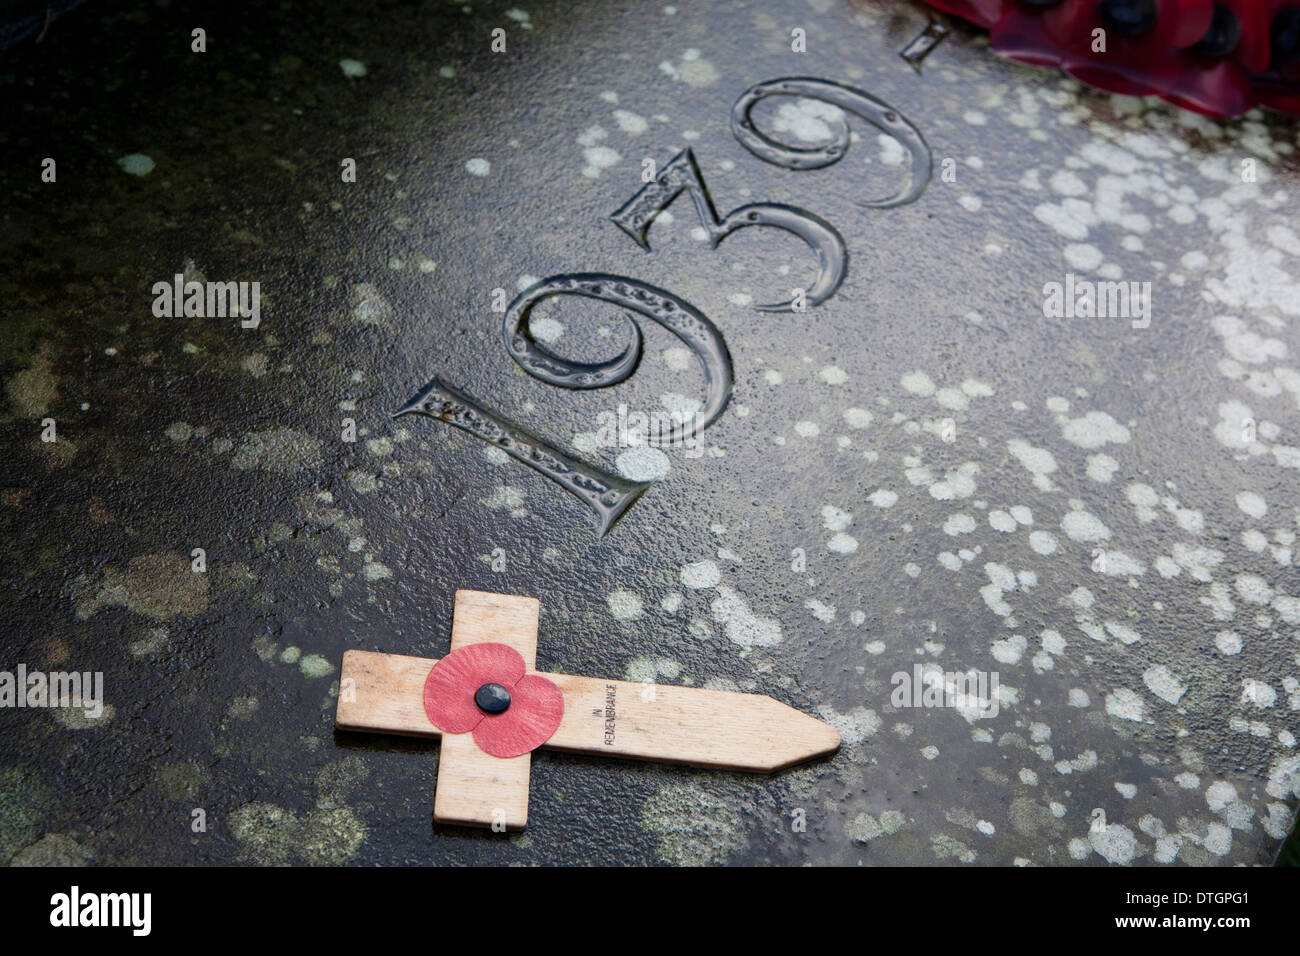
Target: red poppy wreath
[(1216, 58)]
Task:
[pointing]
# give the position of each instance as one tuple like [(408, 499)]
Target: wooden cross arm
[(384, 693)]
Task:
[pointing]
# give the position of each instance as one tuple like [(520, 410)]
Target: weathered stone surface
[(925, 469)]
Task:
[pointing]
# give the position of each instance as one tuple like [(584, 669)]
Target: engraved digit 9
[(861, 104), (682, 173), (681, 318)]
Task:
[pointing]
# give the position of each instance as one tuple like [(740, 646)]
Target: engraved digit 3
[(682, 173), (681, 318), (861, 104), (609, 496)]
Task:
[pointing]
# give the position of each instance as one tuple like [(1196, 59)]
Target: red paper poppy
[(1217, 57), (531, 707), (983, 13)]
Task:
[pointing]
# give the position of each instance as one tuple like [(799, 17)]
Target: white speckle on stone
[(1101, 468), (1043, 542), (546, 329), (1081, 525), (1067, 183), (1219, 795), (630, 122), (179, 432), (1252, 504), (600, 158), (808, 120), (691, 69), (506, 498), (1114, 842), (743, 626), (701, 574), (1083, 256), (1038, 461), (1253, 589), (136, 164), (1218, 839), (855, 726), (918, 383), (677, 359), (1258, 693), (1164, 683), (643, 464), (1228, 643), (835, 519), (624, 605), (1288, 608), (1121, 565), (1010, 650), (1125, 704), (1071, 218), (857, 417), (823, 612), (1002, 521), (958, 483), (1094, 430), (1122, 632), (842, 544)]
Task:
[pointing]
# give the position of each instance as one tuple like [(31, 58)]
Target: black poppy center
[(492, 698), (1223, 36), (1128, 18), (1285, 35)]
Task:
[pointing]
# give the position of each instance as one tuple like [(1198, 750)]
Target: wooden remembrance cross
[(385, 693)]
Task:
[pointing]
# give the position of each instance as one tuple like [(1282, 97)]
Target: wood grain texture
[(705, 728), (480, 616), (475, 788)]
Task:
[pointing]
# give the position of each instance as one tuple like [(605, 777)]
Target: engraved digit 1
[(681, 318), (924, 44), (609, 496), (861, 104), (682, 173)]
